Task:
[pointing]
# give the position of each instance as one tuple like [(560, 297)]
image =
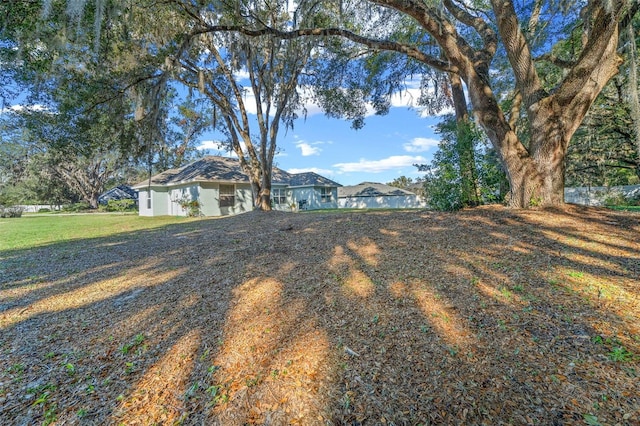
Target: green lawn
[(37, 230), (625, 208)]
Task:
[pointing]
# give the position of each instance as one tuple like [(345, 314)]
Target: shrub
[(615, 199), (121, 205), (633, 197), (12, 211), (193, 208), (77, 207), (464, 171), (44, 210)]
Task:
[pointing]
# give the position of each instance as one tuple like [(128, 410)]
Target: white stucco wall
[(159, 202), (177, 194), (168, 202), (289, 201), (210, 199), (207, 193), (313, 197), (382, 202)]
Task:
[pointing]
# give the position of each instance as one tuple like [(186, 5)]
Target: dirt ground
[(484, 317)]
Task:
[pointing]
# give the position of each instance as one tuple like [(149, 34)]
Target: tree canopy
[(531, 71), (465, 39)]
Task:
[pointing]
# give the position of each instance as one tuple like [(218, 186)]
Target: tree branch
[(518, 51), (489, 36), (553, 59), (378, 44)]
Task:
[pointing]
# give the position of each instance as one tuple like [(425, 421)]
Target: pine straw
[(487, 316)]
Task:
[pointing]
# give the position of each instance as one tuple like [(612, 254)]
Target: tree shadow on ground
[(486, 316)]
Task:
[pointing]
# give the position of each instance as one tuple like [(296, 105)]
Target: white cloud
[(406, 98), (20, 108), (377, 166), (420, 144), (309, 110), (307, 149), (211, 145), (220, 147), (241, 75), (409, 97)]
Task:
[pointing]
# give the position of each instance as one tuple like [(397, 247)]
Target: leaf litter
[(488, 316)]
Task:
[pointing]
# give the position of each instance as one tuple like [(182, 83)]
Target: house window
[(227, 196), (149, 200), (325, 195), (279, 196)]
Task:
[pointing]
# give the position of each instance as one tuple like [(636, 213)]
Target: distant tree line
[(538, 97)]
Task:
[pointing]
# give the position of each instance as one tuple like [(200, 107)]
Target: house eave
[(189, 182), (311, 186)]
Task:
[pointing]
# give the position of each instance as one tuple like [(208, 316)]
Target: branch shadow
[(487, 316)]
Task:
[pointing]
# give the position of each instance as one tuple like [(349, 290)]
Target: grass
[(625, 208), (34, 231)]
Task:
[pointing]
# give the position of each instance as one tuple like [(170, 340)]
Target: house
[(120, 192), (600, 195), (371, 195), (221, 188)]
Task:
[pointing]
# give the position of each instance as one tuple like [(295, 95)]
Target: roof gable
[(310, 179), (224, 169), (120, 192), (372, 189)]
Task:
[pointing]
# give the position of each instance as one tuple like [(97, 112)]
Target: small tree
[(402, 182), (463, 172), (212, 63)]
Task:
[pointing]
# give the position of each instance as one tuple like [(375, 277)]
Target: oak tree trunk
[(264, 198)]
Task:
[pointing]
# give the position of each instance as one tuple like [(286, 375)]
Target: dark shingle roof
[(371, 189), (311, 179), (120, 192), (225, 169)]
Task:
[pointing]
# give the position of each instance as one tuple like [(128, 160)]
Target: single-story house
[(372, 195), (221, 188), (120, 192), (599, 195)]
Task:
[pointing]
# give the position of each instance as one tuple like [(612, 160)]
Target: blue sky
[(386, 148)]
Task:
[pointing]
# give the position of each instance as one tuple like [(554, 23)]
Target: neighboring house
[(371, 195), (221, 188), (599, 195), (120, 192)]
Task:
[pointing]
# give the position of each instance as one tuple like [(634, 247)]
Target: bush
[(121, 205), (633, 197), (13, 211), (192, 207), (615, 199), (464, 171), (44, 210), (77, 207)]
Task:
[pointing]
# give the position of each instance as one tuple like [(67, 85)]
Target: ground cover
[(486, 316), (35, 230), (626, 208)]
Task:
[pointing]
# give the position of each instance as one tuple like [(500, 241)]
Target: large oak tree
[(463, 39), (466, 39)]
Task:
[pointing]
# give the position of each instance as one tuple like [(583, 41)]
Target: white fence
[(35, 208), (596, 195)]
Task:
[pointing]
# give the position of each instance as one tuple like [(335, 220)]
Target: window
[(149, 200), (227, 196), (279, 196), (325, 195)]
